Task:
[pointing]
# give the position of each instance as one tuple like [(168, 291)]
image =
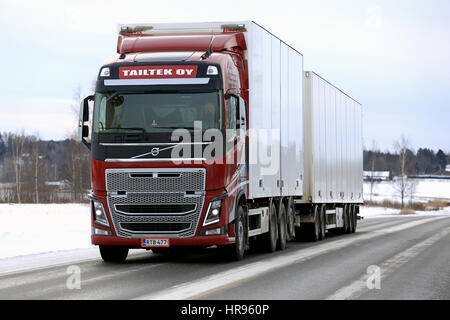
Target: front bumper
[(136, 243)]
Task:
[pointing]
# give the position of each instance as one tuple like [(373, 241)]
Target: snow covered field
[(424, 190)]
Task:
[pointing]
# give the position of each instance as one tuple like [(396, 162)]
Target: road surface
[(387, 258)]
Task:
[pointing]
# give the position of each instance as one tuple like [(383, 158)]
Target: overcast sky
[(392, 56)]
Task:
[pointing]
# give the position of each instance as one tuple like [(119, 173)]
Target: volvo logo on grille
[(154, 152)]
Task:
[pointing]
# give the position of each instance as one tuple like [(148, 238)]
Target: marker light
[(212, 71), (105, 72)]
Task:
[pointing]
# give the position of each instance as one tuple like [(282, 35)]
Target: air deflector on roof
[(163, 56)]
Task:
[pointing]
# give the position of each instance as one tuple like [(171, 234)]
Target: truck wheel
[(290, 215), (323, 222), (113, 253), (353, 218), (161, 250), (236, 251), (314, 228), (346, 220), (350, 219), (282, 228), (270, 239)]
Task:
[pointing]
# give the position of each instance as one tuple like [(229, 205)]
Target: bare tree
[(78, 160), (17, 142), (372, 180), (37, 164), (401, 148)]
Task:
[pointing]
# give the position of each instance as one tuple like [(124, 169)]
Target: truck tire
[(313, 229), (290, 217), (350, 219), (236, 251), (270, 239), (353, 218), (113, 253), (161, 250), (346, 227), (282, 227), (323, 222)]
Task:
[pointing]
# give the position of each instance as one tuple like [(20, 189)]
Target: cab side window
[(231, 105)]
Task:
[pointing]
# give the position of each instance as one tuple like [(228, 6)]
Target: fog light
[(213, 232), (101, 232)]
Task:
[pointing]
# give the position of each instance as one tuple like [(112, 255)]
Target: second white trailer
[(332, 143)]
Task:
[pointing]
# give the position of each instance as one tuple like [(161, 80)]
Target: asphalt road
[(387, 258)]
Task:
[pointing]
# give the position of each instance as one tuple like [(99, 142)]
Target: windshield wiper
[(121, 128), (179, 127)]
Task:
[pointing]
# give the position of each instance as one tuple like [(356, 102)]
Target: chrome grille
[(147, 188), (155, 180)]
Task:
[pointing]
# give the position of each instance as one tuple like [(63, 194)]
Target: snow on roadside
[(38, 228), (377, 212)]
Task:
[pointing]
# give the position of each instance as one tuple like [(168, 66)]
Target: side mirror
[(83, 130)]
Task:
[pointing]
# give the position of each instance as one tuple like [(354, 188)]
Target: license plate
[(155, 242)]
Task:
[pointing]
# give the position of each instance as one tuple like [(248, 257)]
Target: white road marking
[(387, 267), (224, 279)]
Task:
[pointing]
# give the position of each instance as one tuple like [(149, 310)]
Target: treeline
[(423, 162), (37, 171)]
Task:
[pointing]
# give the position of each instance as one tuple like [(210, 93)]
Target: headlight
[(213, 214), (99, 214)]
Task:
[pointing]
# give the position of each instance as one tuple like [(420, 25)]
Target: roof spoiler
[(162, 29)]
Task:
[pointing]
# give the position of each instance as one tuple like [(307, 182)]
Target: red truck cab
[(154, 186)]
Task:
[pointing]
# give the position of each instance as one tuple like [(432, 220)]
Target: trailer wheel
[(350, 219), (346, 228), (313, 229), (323, 222), (113, 253), (236, 251), (353, 218), (282, 227), (290, 215)]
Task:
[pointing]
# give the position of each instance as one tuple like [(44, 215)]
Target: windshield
[(156, 112)]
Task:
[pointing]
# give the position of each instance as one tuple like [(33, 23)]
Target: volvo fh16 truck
[(212, 134)]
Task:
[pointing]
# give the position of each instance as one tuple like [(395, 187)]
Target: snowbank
[(37, 228)]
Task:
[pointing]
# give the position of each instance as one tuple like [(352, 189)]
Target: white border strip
[(153, 82)]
